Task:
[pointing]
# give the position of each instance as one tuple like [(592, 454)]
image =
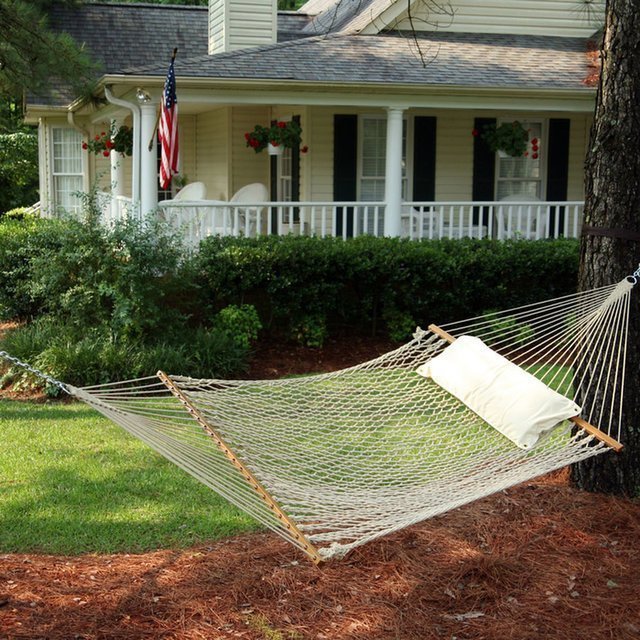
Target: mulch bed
[(540, 561)]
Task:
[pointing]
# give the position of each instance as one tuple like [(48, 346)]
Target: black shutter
[(424, 159), (273, 189), (345, 159), (484, 170), (557, 168), (295, 168)]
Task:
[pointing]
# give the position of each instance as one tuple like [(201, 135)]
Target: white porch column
[(117, 173), (148, 159), (393, 173)]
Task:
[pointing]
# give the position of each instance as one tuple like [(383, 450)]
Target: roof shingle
[(455, 59)]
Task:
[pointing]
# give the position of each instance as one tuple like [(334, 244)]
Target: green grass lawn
[(73, 482)]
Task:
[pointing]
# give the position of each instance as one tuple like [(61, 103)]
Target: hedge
[(141, 285), (366, 284)]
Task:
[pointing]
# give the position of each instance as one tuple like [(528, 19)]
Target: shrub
[(18, 169), (240, 322), (367, 283), (129, 278), (92, 357), (21, 242)]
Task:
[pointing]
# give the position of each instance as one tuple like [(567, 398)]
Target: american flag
[(168, 129)]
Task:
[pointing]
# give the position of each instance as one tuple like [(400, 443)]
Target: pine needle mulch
[(542, 560)]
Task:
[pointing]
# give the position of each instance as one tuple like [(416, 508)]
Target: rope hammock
[(332, 461)]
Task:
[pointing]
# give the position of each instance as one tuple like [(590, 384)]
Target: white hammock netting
[(332, 461)]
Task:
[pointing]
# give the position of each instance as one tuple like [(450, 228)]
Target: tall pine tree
[(611, 249)]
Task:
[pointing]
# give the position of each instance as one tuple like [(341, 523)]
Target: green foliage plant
[(118, 139), (18, 170), (240, 322), (509, 137), (280, 134)]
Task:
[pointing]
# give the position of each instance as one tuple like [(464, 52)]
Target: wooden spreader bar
[(301, 541), (577, 420)]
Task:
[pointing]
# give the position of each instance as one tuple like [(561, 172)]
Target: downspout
[(135, 110)]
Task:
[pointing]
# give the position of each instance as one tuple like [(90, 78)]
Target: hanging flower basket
[(280, 135), (274, 150), (117, 139), (509, 138)]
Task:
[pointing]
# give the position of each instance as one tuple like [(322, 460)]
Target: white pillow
[(514, 402)]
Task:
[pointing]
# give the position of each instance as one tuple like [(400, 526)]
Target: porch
[(501, 220)]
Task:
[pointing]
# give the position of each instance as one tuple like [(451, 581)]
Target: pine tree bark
[(612, 206)]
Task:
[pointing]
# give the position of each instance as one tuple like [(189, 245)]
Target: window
[(372, 158), (517, 177), (285, 175), (67, 168)]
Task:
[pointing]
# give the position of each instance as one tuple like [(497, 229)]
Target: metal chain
[(636, 275), (36, 372)]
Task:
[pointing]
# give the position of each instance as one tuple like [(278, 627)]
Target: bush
[(92, 357), (131, 278), (18, 169), (21, 242), (304, 286), (240, 323)]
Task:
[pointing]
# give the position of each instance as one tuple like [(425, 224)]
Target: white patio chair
[(192, 191), (531, 216), (251, 194)]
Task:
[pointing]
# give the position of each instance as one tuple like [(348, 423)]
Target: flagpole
[(155, 128)]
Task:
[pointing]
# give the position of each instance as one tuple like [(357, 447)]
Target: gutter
[(135, 110)]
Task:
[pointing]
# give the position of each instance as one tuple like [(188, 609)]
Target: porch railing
[(502, 220), (116, 208), (419, 220)]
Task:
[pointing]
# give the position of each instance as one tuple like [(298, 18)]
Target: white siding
[(217, 27), (454, 155), (236, 24), (211, 145), (578, 141), (540, 17), (248, 166), (188, 137)]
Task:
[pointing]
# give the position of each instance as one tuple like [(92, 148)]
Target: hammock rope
[(332, 461)]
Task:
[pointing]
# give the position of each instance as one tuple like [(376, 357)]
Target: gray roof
[(458, 59), (119, 35), (139, 38)]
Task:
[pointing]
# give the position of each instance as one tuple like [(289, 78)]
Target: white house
[(387, 94)]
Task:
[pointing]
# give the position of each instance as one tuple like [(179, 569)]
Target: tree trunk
[(612, 208)]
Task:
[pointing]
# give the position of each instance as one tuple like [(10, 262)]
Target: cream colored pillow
[(514, 402)]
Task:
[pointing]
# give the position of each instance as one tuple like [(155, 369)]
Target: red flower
[(85, 146), (534, 147), (534, 141), (274, 143), (475, 132), (534, 156), (105, 154), (282, 125), (103, 134), (526, 153), (97, 137), (304, 149), (109, 144), (247, 136)]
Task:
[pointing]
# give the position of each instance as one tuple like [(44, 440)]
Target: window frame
[(407, 155), (543, 123), (54, 175)]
